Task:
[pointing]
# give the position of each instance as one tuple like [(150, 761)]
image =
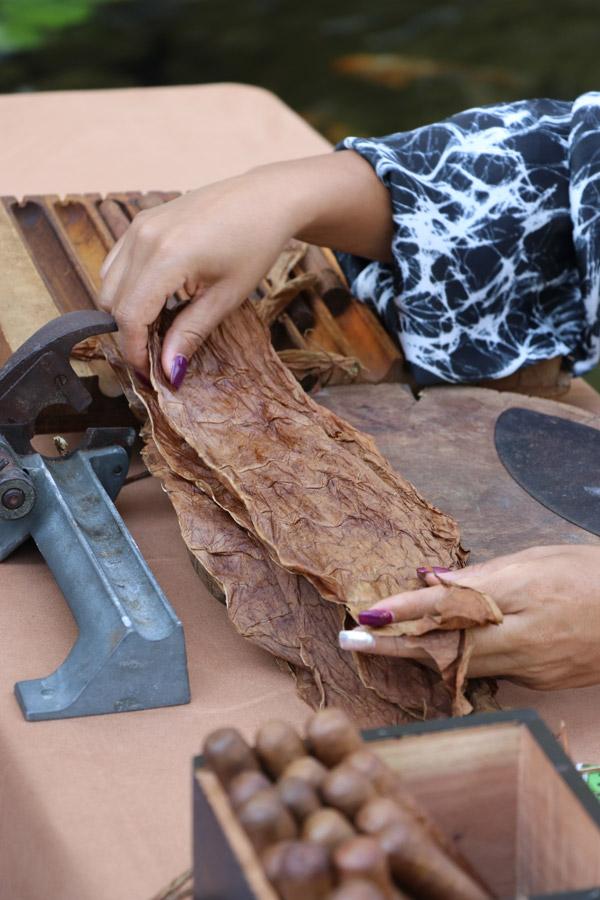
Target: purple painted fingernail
[(376, 617), (422, 571), (141, 377), (439, 570), (178, 370)]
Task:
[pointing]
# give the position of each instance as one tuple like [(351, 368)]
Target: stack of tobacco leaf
[(302, 523)]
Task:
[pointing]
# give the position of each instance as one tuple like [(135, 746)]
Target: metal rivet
[(13, 498)]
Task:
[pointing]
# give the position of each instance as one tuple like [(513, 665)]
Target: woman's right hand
[(219, 241)]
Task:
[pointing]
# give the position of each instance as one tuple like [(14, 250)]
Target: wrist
[(288, 193), (334, 200)]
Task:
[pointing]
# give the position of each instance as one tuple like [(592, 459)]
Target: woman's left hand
[(550, 636)]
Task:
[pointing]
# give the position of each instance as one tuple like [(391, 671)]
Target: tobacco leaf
[(184, 461), (108, 346), (318, 494), (320, 364), (282, 285), (445, 637), (88, 349), (273, 304), (278, 611)]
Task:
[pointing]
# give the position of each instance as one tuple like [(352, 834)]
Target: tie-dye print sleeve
[(496, 255)]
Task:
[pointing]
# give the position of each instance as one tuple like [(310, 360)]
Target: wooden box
[(498, 783)]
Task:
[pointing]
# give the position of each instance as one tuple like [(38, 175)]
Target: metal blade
[(555, 460)]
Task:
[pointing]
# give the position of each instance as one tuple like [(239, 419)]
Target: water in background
[(348, 66)]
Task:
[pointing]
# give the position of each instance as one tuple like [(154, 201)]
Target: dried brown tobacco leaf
[(445, 637), (481, 694), (449, 652), (108, 349), (184, 461), (232, 556), (88, 349), (278, 611), (320, 365), (273, 304), (402, 682), (318, 494), (282, 285), (260, 437)]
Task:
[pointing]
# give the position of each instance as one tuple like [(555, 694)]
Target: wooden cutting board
[(444, 443)]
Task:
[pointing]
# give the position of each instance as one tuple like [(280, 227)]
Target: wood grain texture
[(444, 444), (42, 276), (25, 302), (46, 244), (86, 243)]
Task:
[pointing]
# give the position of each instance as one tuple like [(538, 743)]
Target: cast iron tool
[(130, 652), (555, 460)]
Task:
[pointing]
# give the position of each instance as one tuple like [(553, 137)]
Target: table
[(100, 807)]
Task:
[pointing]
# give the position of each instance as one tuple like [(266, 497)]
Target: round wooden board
[(444, 443)]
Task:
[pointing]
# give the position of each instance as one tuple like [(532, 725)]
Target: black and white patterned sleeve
[(496, 246)]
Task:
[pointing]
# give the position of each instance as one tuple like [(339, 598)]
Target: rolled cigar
[(277, 745), (389, 784), (347, 790), (423, 868), (327, 827), (299, 870), (298, 796), (227, 754), (357, 889), (364, 857), (332, 736), (378, 813), (246, 785), (272, 858), (266, 820), (308, 768), (382, 813), (361, 889)]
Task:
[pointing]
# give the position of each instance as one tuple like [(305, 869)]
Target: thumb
[(192, 326)]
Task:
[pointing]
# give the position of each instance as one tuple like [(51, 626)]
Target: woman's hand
[(550, 598), (219, 241)]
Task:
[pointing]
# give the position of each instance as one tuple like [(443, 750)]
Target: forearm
[(334, 200)]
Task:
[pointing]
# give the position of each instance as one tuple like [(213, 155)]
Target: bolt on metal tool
[(130, 652)]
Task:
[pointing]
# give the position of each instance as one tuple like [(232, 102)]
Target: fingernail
[(141, 377), (422, 571), (439, 570), (375, 617), (178, 370), (356, 640)]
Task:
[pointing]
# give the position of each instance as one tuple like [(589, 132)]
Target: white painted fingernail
[(356, 640)]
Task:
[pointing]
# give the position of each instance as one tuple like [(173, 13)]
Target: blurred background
[(347, 66)]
